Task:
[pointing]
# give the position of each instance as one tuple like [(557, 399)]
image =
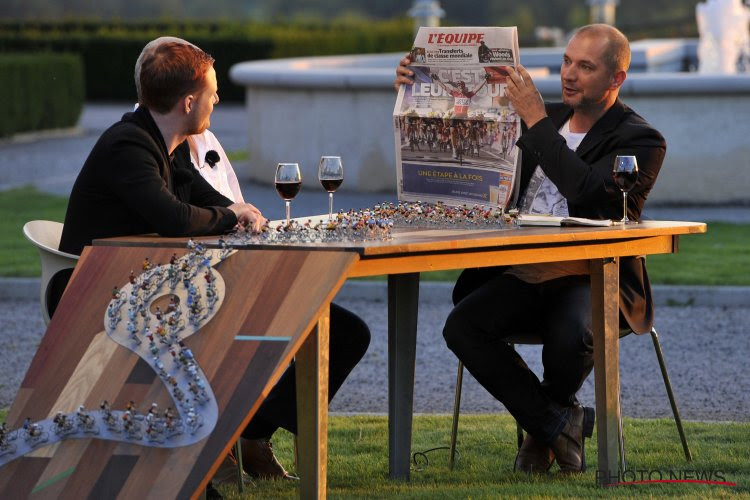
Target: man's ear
[(617, 79), (187, 103)]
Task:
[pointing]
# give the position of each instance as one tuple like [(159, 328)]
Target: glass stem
[(330, 206), (288, 210), (625, 207)]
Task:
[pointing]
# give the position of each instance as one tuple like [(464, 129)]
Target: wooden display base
[(242, 350)]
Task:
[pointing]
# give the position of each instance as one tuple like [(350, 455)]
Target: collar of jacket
[(560, 113), (179, 174), (142, 117)]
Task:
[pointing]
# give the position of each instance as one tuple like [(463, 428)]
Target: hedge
[(109, 50), (44, 90), (109, 60)]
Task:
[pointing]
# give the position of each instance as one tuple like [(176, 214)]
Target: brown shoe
[(568, 447), (259, 461), (533, 457), (227, 473)]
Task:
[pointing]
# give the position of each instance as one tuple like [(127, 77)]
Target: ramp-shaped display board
[(245, 315)]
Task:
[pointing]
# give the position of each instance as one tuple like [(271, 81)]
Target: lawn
[(715, 258), (18, 257), (358, 462)]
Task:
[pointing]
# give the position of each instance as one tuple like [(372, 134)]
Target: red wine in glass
[(288, 182), (288, 190), (331, 185), (625, 180), (625, 175), (331, 175)]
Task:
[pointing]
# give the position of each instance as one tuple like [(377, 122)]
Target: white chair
[(45, 235)]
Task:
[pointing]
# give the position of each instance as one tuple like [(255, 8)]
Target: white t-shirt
[(543, 197)]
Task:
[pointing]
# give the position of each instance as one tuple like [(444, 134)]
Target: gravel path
[(706, 351)]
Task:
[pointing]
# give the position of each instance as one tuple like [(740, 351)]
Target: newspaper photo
[(455, 129)]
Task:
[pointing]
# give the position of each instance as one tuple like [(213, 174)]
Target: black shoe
[(212, 493), (568, 447)]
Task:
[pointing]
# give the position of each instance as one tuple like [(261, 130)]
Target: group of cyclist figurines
[(154, 425), (462, 137), (351, 225), (172, 360), (168, 323)]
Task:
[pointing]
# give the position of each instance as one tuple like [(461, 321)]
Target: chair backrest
[(45, 235)]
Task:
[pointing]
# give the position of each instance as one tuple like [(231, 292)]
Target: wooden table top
[(421, 240)]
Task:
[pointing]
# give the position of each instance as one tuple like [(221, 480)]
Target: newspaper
[(455, 130)]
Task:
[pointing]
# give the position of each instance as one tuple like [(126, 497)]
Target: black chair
[(533, 339)]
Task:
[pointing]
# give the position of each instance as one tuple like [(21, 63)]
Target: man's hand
[(403, 73), (524, 96), (248, 216)]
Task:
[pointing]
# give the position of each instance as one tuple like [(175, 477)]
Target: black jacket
[(584, 178), (130, 185)]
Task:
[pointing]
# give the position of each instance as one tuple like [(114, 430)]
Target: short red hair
[(171, 72)]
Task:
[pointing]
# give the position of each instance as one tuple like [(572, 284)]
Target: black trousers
[(349, 338), (560, 312)]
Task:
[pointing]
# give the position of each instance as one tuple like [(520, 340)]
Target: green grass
[(18, 257), (716, 258), (358, 461), (238, 156), (719, 257)]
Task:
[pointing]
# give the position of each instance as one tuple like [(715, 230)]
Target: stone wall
[(300, 109)]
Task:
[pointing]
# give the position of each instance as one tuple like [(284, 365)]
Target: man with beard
[(570, 146)]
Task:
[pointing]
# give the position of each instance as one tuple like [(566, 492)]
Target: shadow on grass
[(358, 462)]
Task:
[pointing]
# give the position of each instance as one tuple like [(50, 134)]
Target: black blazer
[(130, 185), (584, 178)]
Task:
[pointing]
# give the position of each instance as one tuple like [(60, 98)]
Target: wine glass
[(288, 183), (625, 174), (331, 175)]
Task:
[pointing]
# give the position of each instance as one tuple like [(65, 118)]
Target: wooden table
[(286, 289), (435, 250)]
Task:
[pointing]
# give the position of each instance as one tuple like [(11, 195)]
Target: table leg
[(403, 300), (312, 410), (605, 299)]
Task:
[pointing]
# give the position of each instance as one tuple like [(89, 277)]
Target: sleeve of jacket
[(203, 194), (138, 178), (590, 183)]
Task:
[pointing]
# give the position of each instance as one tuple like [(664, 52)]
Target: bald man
[(568, 152)]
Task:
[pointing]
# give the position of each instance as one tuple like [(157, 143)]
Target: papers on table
[(551, 220)]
